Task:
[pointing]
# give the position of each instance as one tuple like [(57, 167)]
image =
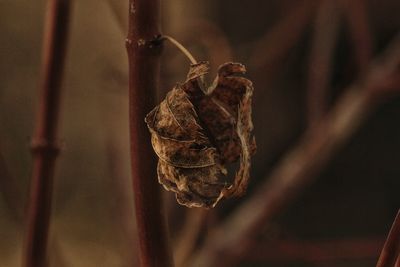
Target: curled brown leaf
[(199, 129)]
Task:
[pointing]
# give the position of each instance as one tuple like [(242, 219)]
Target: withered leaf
[(198, 129)]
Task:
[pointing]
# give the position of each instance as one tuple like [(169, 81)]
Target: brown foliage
[(198, 129)]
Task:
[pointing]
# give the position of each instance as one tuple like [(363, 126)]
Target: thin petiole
[(180, 47)]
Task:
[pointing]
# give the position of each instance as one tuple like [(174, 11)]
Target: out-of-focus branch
[(357, 16), (316, 251), (122, 213), (194, 222), (283, 36), (45, 140), (391, 250), (233, 238), (12, 195), (320, 64)]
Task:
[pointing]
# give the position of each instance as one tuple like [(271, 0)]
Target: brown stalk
[(44, 143), (391, 250), (319, 251), (122, 212), (233, 238), (282, 37), (144, 48), (356, 14), (194, 222), (320, 64)]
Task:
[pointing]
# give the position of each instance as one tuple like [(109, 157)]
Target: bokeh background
[(289, 47)]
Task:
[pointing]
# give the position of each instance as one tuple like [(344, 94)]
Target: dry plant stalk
[(44, 143), (282, 36), (195, 222), (326, 30), (391, 250), (198, 129), (316, 252), (356, 13), (144, 58)]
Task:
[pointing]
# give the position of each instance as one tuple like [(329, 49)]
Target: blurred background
[(302, 56)]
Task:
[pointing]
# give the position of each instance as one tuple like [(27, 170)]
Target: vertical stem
[(44, 142), (320, 62), (391, 249), (144, 49), (356, 12), (195, 221)]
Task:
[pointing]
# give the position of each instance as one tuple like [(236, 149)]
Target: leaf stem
[(181, 47)]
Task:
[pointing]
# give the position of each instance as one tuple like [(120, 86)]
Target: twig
[(316, 251), (122, 213), (44, 142), (298, 169), (283, 36), (13, 199), (144, 47), (391, 250), (194, 222), (320, 65), (357, 17)]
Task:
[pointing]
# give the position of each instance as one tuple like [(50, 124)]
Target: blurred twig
[(233, 238), (44, 143), (284, 35), (122, 212), (13, 196), (316, 251), (320, 63), (194, 222), (391, 250), (144, 49), (357, 16)]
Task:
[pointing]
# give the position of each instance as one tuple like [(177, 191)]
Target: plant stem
[(188, 236), (356, 13), (181, 48), (391, 250), (144, 47), (44, 142), (326, 29)]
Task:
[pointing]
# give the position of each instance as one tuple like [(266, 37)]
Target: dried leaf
[(197, 130)]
